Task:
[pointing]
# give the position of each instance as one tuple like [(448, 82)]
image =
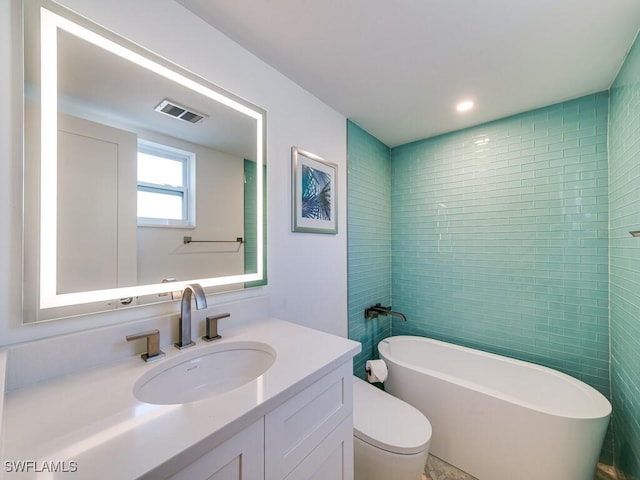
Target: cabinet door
[(97, 219), (304, 430), (239, 458), (332, 459)]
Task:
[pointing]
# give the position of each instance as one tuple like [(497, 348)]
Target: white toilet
[(390, 437)]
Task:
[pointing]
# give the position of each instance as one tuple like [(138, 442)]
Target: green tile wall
[(250, 223), (624, 198), (369, 239), (250, 217), (497, 237), (500, 237)]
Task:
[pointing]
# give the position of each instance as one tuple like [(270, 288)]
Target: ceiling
[(118, 92), (98, 85), (398, 68)]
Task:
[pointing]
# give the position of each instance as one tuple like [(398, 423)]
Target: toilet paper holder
[(375, 371)]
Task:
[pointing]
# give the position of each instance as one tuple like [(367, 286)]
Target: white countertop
[(93, 419)]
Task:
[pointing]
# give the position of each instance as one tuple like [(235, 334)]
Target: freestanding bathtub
[(498, 418)]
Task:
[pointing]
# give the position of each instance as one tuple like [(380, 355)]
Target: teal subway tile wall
[(513, 237), (500, 237), (250, 223), (369, 239), (624, 198), (250, 217)]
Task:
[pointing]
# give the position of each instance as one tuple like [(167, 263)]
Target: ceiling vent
[(180, 112)]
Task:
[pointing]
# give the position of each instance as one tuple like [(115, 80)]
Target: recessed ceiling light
[(464, 106)]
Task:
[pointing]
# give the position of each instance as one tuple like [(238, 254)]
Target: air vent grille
[(180, 112)]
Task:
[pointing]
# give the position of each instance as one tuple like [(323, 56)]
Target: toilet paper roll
[(376, 371)]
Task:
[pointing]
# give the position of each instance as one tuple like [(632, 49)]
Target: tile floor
[(437, 469)]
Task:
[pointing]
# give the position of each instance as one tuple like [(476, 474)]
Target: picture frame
[(314, 193)]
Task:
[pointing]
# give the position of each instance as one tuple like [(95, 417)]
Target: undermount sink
[(204, 373)]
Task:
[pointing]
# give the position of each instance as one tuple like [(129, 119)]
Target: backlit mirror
[(140, 177)]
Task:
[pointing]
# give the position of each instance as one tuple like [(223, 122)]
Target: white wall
[(219, 216), (306, 272)]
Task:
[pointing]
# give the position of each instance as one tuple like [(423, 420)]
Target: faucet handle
[(212, 327), (153, 344), (376, 310)]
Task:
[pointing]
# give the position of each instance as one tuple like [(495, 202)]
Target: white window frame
[(187, 191)]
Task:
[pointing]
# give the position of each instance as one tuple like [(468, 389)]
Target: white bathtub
[(498, 418)]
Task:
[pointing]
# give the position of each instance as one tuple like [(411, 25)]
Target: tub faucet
[(184, 331), (377, 310)]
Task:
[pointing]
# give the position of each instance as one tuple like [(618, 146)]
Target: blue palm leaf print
[(316, 194)]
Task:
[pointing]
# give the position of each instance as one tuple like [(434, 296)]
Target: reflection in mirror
[(149, 176)]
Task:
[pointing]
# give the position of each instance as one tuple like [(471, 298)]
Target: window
[(166, 189)]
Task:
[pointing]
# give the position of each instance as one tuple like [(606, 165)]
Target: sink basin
[(203, 373)]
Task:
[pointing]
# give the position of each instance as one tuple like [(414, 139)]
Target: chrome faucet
[(377, 309), (184, 339)]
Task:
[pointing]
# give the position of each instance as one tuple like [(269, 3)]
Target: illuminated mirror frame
[(50, 24)]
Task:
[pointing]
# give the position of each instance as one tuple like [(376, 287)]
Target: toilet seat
[(387, 422)]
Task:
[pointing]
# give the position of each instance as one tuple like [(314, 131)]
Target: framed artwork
[(314, 203)]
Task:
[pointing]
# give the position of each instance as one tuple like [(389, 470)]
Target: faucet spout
[(378, 309), (398, 315), (192, 290)]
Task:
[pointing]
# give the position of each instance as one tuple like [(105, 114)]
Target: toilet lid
[(387, 422)]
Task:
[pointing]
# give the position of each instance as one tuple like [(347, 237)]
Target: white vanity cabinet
[(310, 436), (239, 458), (294, 422)]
